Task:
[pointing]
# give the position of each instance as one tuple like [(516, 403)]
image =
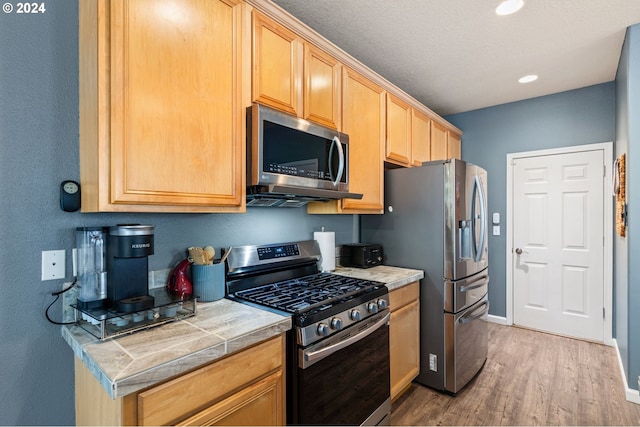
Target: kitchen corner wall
[(38, 150)]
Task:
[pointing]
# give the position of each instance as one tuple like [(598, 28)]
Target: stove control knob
[(372, 308), (323, 329), (382, 304), (336, 323), (355, 315)]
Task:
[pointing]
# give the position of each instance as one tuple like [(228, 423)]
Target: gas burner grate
[(306, 293)]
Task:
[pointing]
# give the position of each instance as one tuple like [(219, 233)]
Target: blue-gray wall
[(38, 150), (576, 117), (627, 280)]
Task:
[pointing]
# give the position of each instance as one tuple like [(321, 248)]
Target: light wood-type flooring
[(530, 378)]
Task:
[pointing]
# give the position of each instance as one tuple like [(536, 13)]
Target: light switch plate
[(53, 265)]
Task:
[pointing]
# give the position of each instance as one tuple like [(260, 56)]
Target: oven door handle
[(312, 357)]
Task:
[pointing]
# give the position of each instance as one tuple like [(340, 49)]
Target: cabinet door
[(176, 116), (398, 143), (363, 119), (259, 404), (277, 65), (420, 138), (438, 141), (404, 337), (453, 145), (322, 88)]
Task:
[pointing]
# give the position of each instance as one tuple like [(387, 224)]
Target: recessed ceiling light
[(528, 79), (507, 7)]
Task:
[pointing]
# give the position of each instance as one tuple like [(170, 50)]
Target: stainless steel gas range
[(338, 349)]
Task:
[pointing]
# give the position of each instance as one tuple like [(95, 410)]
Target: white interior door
[(558, 240)]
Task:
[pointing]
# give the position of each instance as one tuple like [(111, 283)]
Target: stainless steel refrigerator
[(436, 220)]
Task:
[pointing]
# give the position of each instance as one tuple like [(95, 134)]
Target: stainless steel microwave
[(291, 161)]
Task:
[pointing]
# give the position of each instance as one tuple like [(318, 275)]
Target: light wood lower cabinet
[(245, 388), (404, 337)]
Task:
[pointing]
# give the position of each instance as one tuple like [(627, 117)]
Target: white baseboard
[(630, 394), (497, 319)]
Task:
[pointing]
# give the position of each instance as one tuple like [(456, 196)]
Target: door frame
[(607, 148)]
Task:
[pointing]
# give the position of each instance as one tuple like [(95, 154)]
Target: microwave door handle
[(336, 143)]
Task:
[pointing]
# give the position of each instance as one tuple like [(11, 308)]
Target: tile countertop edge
[(393, 277), (79, 351), (165, 371), (78, 339)]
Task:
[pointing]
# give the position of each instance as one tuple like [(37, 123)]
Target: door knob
[(519, 251)]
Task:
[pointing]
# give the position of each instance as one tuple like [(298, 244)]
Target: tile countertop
[(129, 363), (393, 277)]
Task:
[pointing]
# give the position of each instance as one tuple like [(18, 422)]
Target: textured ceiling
[(458, 55)]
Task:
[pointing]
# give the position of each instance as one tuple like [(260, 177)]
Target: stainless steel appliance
[(128, 250), (291, 161), (436, 221), (338, 350)]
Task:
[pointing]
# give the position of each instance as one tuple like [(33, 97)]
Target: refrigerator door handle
[(475, 315), (478, 193)]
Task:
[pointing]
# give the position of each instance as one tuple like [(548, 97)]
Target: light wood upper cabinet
[(293, 76), (454, 149), (161, 120), (363, 119), (398, 142), (420, 138), (322, 87), (438, 141), (404, 337), (277, 66)]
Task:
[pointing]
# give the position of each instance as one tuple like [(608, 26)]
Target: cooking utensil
[(210, 252), (198, 255), (226, 254)]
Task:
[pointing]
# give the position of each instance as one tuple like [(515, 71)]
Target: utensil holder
[(208, 281)]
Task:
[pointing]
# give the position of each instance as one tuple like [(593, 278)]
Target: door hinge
[(603, 313), (604, 170)]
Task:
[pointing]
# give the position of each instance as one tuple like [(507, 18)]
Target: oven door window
[(347, 386)]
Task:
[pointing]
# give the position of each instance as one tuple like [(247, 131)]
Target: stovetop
[(285, 278), (307, 293)]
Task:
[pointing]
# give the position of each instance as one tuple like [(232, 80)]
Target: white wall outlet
[(53, 265), (496, 230), (496, 218), (433, 362)]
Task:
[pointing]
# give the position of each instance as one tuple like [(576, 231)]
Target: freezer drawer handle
[(481, 281), (473, 317)]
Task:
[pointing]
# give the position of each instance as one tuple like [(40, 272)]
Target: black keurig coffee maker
[(128, 249)]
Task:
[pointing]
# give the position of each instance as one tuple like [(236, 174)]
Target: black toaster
[(361, 255)]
